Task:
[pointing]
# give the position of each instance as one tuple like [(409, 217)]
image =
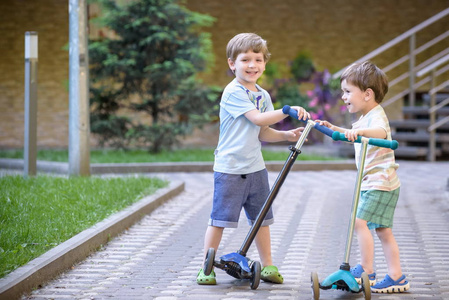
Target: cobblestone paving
[(159, 257)]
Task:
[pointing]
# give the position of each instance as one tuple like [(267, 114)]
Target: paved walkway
[(159, 257)]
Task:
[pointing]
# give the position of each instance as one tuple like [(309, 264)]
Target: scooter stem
[(275, 189), (356, 198)]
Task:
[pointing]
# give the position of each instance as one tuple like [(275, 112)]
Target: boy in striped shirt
[(364, 86)]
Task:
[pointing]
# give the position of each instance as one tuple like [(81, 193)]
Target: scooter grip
[(287, 110), (339, 136), (294, 114)]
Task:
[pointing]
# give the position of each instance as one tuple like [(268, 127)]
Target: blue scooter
[(343, 279)]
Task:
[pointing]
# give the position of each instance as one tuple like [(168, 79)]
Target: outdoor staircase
[(412, 131), (423, 129)]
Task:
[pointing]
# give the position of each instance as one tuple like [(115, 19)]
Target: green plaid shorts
[(377, 207)]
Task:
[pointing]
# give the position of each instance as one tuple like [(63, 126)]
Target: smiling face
[(248, 67), (357, 100)]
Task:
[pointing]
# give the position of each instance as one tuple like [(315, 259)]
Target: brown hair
[(367, 75), (244, 42)]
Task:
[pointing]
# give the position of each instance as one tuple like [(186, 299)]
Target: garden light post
[(79, 126), (30, 113)]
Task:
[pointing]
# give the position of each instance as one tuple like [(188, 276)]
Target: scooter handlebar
[(339, 136), (294, 114)]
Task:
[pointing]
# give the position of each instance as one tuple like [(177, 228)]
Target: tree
[(148, 68)]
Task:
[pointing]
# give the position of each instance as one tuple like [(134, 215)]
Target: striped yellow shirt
[(380, 166)]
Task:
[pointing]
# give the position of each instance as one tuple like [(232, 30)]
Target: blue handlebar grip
[(339, 136), (384, 143), (327, 131), (287, 110), (294, 114)]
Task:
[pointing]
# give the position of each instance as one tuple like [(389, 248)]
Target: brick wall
[(335, 33)]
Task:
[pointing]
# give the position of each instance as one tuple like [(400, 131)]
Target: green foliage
[(284, 88), (288, 94), (201, 103), (149, 66), (272, 71), (302, 86), (38, 213), (302, 67), (156, 136), (111, 128)]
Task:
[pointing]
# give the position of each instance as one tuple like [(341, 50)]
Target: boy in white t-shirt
[(364, 86), (240, 176)]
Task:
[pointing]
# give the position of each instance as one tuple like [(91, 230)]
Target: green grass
[(142, 156), (38, 213)]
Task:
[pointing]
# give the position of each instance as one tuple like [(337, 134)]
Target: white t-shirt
[(380, 166), (239, 148)]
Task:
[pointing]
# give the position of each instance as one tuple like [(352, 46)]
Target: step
[(411, 152), (419, 137), (439, 97), (414, 124), (424, 111)]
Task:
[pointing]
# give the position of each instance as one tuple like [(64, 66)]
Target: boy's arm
[(272, 117), (331, 126), (270, 135), (352, 134), (376, 132)]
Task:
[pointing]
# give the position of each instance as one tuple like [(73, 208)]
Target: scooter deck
[(241, 260), (341, 280)]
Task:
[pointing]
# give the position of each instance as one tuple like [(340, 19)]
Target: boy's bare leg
[(212, 238), (391, 252), (366, 245), (270, 273), (263, 244)]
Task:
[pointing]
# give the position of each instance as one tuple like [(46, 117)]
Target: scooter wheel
[(209, 262), (366, 287), (315, 285), (255, 278)]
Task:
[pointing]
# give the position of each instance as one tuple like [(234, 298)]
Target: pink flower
[(314, 102)]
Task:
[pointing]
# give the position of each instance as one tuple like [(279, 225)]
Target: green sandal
[(206, 280), (271, 274)]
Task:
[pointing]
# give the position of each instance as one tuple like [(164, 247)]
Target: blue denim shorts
[(234, 192)]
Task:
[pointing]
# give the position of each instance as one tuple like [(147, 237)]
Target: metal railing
[(410, 57), (439, 60), (434, 107)]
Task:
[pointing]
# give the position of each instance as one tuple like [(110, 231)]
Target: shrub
[(146, 65)]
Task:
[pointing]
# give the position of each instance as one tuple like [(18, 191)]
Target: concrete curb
[(272, 166), (43, 166), (65, 255)]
